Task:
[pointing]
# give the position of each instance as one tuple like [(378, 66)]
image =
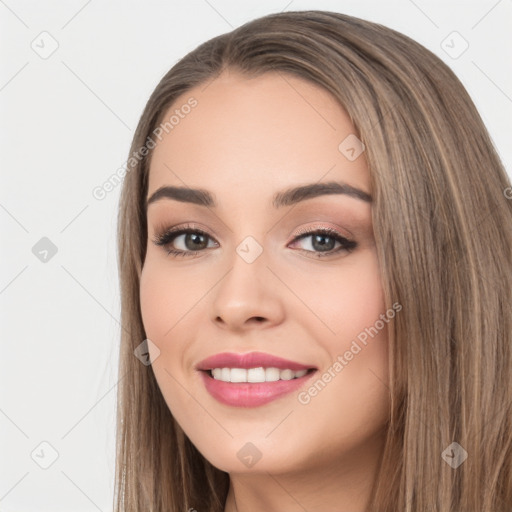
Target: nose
[(247, 297)]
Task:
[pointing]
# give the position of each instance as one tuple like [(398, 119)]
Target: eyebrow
[(285, 198)]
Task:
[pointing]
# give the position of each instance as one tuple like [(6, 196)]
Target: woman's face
[(259, 273)]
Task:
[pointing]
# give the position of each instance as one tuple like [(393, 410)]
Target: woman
[(315, 245)]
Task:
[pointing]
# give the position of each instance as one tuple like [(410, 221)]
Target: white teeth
[(272, 374), (238, 375), (286, 375), (255, 374)]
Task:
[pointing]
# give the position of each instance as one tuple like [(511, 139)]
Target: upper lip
[(250, 360)]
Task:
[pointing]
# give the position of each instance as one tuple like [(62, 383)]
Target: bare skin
[(246, 140)]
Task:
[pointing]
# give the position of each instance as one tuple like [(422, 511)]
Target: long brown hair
[(442, 217)]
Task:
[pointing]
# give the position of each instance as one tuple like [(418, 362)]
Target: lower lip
[(246, 394)]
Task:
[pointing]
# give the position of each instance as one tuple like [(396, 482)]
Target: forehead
[(256, 134)]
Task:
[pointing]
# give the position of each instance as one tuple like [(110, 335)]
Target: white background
[(66, 126)]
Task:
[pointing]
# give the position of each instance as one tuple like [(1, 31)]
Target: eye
[(324, 240), (192, 240)]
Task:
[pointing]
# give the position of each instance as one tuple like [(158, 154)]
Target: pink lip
[(246, 394), (250, 360)]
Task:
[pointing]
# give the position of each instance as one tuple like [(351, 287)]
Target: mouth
[(239, 391), (251, 379)]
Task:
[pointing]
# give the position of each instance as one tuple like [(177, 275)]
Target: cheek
[(350, 303), (364, 298), (155, 302), (165, 297), (344, 302), (166, 300)]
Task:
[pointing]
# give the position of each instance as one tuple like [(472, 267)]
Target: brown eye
[(323, 242), (192, 241)]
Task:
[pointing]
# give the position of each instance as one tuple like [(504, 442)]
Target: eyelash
[(169, 235)]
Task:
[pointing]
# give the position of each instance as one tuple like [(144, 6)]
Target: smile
[(251, 379), (243, 393)]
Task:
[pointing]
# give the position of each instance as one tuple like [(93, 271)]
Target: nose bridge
[(244, 282), (247, 290)]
